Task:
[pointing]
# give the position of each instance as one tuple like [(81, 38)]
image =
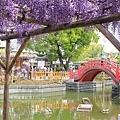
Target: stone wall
[(34, 88), (81, 86), (115, 91)]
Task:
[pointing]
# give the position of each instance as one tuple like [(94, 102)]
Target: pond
[(30, 106)]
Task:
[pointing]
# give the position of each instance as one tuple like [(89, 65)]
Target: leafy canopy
[(64, 45), (93, 51)]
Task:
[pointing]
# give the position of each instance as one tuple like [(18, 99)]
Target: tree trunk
[(67, 65)]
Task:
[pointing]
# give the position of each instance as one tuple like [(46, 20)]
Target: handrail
[(111, 66)]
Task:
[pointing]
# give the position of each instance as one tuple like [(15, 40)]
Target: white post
[(118, 116)]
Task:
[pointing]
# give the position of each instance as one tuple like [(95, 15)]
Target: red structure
[(89, 70)]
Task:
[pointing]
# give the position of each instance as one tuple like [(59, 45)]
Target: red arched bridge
[(89, 70)]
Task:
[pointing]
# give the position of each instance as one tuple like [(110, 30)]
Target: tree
[(118, 58), (91, 52), (65, 45)]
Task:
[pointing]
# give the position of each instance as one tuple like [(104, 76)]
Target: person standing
[(108, 57), (101, 57)]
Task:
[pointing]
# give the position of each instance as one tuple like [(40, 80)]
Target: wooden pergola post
[(8, 66), (6, 84)]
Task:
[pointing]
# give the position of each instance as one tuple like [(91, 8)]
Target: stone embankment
[(87, 86), (34, 88)]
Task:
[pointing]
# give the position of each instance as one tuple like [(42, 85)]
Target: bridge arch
[(92, 68), (91, 73)]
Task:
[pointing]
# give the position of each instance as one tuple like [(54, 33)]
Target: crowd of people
[(25, 70)]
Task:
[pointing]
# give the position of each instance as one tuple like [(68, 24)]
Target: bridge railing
[(109, 65)]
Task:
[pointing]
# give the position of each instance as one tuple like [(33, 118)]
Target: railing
[(109, 65), (56, 76), (43, 75)]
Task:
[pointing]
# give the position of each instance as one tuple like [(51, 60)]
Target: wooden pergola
[(97, 22)]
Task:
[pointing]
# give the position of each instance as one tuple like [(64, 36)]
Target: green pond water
[(63, 105)]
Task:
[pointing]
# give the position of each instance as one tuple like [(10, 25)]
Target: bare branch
[(3, 32), (30, 19)]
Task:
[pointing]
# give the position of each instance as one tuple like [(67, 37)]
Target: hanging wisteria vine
[(51, 12)]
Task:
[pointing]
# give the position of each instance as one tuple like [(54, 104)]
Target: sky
[(13, 44), (108, 46)]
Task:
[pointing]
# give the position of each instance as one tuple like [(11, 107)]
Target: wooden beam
[(81, 23), (108, 35), (2, 64), (18, 53)]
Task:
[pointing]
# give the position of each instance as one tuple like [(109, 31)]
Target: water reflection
[(62, 105), (103, 99)]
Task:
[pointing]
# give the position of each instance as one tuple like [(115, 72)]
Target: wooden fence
[(43, 75)]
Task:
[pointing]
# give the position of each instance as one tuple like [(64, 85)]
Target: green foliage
[(91, 52), (65, 45), (31, 45), (118, 59), (2, 51)]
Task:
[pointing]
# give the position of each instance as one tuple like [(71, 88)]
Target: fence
[(43, 75)]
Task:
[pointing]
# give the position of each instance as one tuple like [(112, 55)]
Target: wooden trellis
[(9, 64)]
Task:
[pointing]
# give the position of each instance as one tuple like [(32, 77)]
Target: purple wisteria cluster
[(51, 12)]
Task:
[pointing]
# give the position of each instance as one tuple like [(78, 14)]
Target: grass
[(31, 82)]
